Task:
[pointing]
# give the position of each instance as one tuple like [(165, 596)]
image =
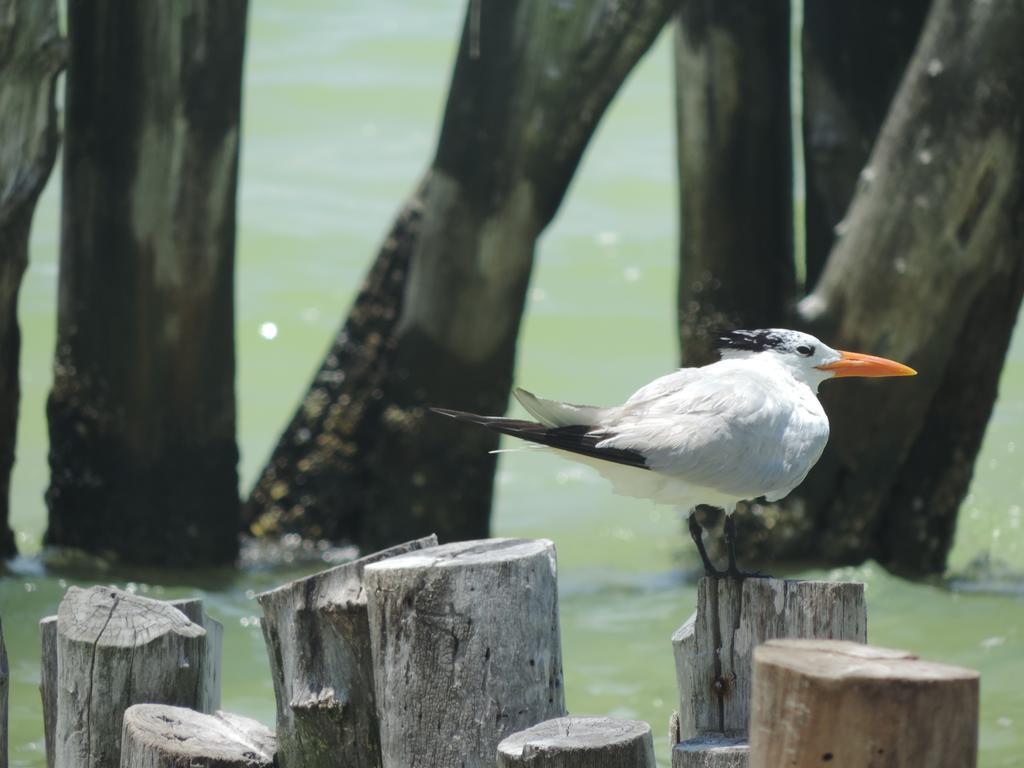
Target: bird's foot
[(732, 572), (713, 573), (696, 533)]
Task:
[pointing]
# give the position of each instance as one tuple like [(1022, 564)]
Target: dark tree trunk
[(436, 321), (31, 55), (142, 412), (930, 271), (732, 95), (854, 54)]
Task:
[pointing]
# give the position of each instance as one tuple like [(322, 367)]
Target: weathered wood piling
[(466, 649), (711, 752), (5, 682), (115, 649), (424, 655), (48, 684), (849, 704), (714, 648), (32, 54), (318, 640), (161, 736), (580, 742)]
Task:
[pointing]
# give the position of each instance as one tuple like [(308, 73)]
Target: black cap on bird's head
[(809, 357), (761, 339)]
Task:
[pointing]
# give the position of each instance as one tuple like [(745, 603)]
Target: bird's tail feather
[(552, 413), (577, 438)]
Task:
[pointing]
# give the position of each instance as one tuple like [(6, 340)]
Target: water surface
[(342, 106)]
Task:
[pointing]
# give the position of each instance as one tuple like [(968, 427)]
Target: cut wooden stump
[(819, 702), (318, 639), (161, 736), (711, 751), (713, 649), (194, 611), (580, 742), (466, 649), (5, 682), (48, 683), (115, 649)]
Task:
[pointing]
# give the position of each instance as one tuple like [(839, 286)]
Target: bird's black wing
[(575, 439)]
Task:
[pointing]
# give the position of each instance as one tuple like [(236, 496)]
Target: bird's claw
[(732, 572)]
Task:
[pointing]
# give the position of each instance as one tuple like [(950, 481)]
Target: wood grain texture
[(48, 683), (196, 613), (466, 649), (713, 649), (318, 640), (711, 751), (5, 685), (580, 742), (826, 702), (161, 736), (116, 649)]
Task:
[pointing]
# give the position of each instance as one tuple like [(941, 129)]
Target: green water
[(342, 105)]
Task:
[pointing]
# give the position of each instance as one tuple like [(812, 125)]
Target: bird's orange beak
[(856, 364)]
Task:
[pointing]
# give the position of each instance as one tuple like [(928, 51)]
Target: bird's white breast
[(732, 429)]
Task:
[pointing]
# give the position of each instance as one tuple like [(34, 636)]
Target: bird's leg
[(733, 572), (696, 533)]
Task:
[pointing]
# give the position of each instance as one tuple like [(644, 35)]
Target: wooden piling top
[(841, 660), (468, 553), (112, 617)]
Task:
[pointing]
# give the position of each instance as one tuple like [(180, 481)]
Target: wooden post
[(48, 684), (711, 752), (194, 612), (159, 736), (466, 649), (5, 682), (580, 742), (733, 148), (714, 648), (141, 415), (318, 640), (825, 702), (115, 649), (31, 55)]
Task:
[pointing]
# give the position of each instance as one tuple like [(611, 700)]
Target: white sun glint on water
[(268, 331)]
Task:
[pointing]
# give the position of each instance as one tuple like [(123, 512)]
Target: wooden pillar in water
[(5, 682), (580, 742), (109, 650), (32, 53), (141, 415), (318, 640), (160, 736), (822, 702), (466, 649), (714, 650), (48, 684)]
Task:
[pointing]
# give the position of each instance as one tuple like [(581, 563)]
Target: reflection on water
[(342, 102)]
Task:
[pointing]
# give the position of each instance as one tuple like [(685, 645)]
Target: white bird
[(745, 427)]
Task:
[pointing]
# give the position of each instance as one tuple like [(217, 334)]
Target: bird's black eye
[(805, 350)]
